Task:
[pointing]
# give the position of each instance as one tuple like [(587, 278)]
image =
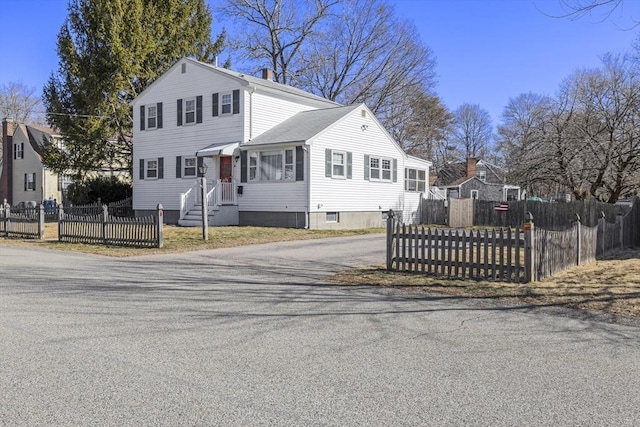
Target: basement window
[(332, 217)]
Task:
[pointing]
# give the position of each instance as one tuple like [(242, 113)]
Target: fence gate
[(461, 213)]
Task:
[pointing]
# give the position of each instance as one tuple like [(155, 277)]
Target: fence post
[(159, 224), (578, 239), (390, 216), (40, 221), (529, 249), (7, 214), (60, 219), (105, 217), (602, 231)]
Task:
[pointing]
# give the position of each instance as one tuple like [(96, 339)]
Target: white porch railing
[(218, 193), (436, 193)]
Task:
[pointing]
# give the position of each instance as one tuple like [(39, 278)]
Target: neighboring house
[(475, 179), (274, 155), (24, 178)]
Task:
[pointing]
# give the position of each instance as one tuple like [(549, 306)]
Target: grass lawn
[(610, 285), (184, 239)]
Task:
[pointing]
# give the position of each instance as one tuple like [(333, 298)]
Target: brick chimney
[(8, 126), (267, 74), (471, 166)]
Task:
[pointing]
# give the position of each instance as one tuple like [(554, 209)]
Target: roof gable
[(303, 126), (245, 80)]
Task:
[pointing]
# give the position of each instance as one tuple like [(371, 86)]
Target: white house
[(274, 155)]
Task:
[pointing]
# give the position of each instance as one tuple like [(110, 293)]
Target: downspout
[(307, 177)]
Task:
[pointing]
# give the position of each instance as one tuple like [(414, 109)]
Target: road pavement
[(257, 336)]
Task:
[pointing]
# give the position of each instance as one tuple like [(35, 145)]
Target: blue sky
[(487, 50)]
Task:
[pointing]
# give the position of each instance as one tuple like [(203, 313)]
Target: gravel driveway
[(255, 336)]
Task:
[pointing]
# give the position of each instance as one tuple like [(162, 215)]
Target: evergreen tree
[(109, 52)]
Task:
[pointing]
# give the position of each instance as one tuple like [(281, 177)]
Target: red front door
[(226, 169)]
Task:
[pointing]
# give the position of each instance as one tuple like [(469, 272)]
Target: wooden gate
[(461, 213)]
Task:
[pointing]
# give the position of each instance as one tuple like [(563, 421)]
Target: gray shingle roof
[(256, 81), (303, 126)]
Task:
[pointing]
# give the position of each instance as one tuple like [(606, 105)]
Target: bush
[(108, 190)]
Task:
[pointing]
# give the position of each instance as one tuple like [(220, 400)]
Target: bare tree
[(347, 51), (602, 9), (426, 128), (586, 140), (520, 138), (19, 103), (472, 130), (275, 30)]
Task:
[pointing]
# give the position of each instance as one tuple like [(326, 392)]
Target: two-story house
[(24, 179), (272, 155), (475, 179)]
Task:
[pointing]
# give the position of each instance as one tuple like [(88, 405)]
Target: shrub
[(108, 190)]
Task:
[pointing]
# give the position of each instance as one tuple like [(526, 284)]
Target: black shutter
[(327, 162), (349, 164), (142, 117), (25, 182), (159, 115), (160, 167), (214, 102), (179, 112), (178, 166), (243, 166), (299, 164), (198, 109), (236, 101), (141, 168)]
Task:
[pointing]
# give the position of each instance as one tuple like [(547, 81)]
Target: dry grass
[(184, 239), (609, 285)]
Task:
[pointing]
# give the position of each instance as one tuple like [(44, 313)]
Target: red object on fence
[(502, 207)]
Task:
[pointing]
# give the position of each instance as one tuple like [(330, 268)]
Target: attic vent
[(363, 113), (184, 68)]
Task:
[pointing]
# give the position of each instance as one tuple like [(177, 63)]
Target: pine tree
[(109, 52)]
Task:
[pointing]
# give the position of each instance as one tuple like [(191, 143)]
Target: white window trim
[(185, 167), (154, 117), (186, 111), (380, 169), (417, 180), (147, 168), (482, 175), (32, 181), (344, 165), (476, 192), (257, 156), (222, 103), (19, 152)]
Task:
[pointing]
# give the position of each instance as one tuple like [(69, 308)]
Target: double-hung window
[(338, 164), (29, 182), (152, 114), (190, 111), (152, 168), (18, 150), (380, 169), (189, 165), (226, 103), (414, 180)]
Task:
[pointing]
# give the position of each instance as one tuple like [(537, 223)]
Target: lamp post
[(202, 170)]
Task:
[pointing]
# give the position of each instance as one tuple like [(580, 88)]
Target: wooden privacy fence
[(497, 255), (111, 230), (22, 222)]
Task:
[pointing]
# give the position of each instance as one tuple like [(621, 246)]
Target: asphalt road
[(255, 336)]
